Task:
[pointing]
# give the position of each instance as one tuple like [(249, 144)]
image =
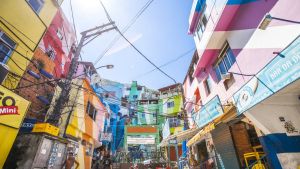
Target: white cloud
[(124, 44)]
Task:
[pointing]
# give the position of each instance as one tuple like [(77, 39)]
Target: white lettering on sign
[(9, 110)]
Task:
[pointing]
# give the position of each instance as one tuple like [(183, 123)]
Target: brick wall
[(37, 109)]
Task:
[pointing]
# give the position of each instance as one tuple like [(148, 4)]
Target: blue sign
[(27, 125), (208, 112), (281, 71)]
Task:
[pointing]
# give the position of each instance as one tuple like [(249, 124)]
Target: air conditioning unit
[(3, 72), (226, 76)]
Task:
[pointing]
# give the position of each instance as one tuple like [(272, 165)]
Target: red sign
[(9, 110)]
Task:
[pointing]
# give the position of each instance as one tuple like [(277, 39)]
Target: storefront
[(226, 140), (12, 111), (172, 144), (271, 101), (141, 142)]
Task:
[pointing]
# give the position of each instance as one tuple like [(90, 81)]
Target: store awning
[(229, 113), (200, 134), (180, 137)]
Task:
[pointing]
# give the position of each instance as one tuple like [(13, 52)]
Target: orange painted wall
[(138, 129)]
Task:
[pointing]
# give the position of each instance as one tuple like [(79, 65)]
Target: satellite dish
[(95, 78)]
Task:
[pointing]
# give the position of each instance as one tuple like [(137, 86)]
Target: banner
[(166, 129), (208, 112), (105, 137), (280, 72), (12, 108)]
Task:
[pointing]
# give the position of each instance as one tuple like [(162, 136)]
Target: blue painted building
[(111, 94)]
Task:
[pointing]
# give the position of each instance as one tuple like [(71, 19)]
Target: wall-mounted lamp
[(268, 18)]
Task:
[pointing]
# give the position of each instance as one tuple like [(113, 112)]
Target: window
[(135, 96), (51, 52), (6, 46), (202, 24), (207, 84), (170, 104), (91, 111), (174, 122), (59, 34), (226, 60), (36, 5)]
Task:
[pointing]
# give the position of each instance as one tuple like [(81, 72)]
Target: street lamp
[(268, 18), (106, 66)]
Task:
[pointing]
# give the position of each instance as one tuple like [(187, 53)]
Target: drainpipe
[(185, 124)]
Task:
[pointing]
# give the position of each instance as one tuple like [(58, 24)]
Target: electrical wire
[(144, 56), (167, 63), (124, 30)]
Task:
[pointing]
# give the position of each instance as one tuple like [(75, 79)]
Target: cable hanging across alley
[(125, 29), (143, 55)]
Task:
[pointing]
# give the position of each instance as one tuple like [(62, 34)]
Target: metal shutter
[(226, 155)]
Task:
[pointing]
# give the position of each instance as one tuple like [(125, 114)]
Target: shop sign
[(105, 137), (166, 129), (27, 125), (281, 71), (173, 141), (208, 112), (140, 140), (12, 108)]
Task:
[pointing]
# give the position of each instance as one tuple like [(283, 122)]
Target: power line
[(144, 56), (167, 63), (125, 29)]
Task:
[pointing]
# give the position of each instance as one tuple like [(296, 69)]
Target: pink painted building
[(247, 61), (58, 43)]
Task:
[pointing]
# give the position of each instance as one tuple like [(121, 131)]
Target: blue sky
[(160, 33)]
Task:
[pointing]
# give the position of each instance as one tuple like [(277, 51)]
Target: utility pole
[(86, 37)]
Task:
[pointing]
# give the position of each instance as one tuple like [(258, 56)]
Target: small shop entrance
[(247, 145)]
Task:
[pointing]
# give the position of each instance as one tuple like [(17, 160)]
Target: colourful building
[(50, 60), (245, 55), (86, 121), (142, 133), (171, 106), (19, 40)]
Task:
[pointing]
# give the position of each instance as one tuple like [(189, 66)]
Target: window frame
[(53, 54), (40, 2), (201, 26), (208, 85), (222, 59), (7, 45), (88, 111), (59, 34), (170, 104)]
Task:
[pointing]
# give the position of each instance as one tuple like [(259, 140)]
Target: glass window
[(36, 5), (225, 62), (230, 56), (59, 34), (51, 52), (218, 73), (170, 104), (6, 47), (208, 85)]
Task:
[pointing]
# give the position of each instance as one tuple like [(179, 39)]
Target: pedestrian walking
[(106, 162), (70, 161)]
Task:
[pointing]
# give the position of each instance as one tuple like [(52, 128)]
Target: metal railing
[(261, 163)]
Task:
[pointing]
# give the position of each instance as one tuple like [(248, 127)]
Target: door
[(42, 156), (61, 155)]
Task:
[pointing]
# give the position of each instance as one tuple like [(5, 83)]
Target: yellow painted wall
[(25, 28), (7, 137), (10, 123)]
